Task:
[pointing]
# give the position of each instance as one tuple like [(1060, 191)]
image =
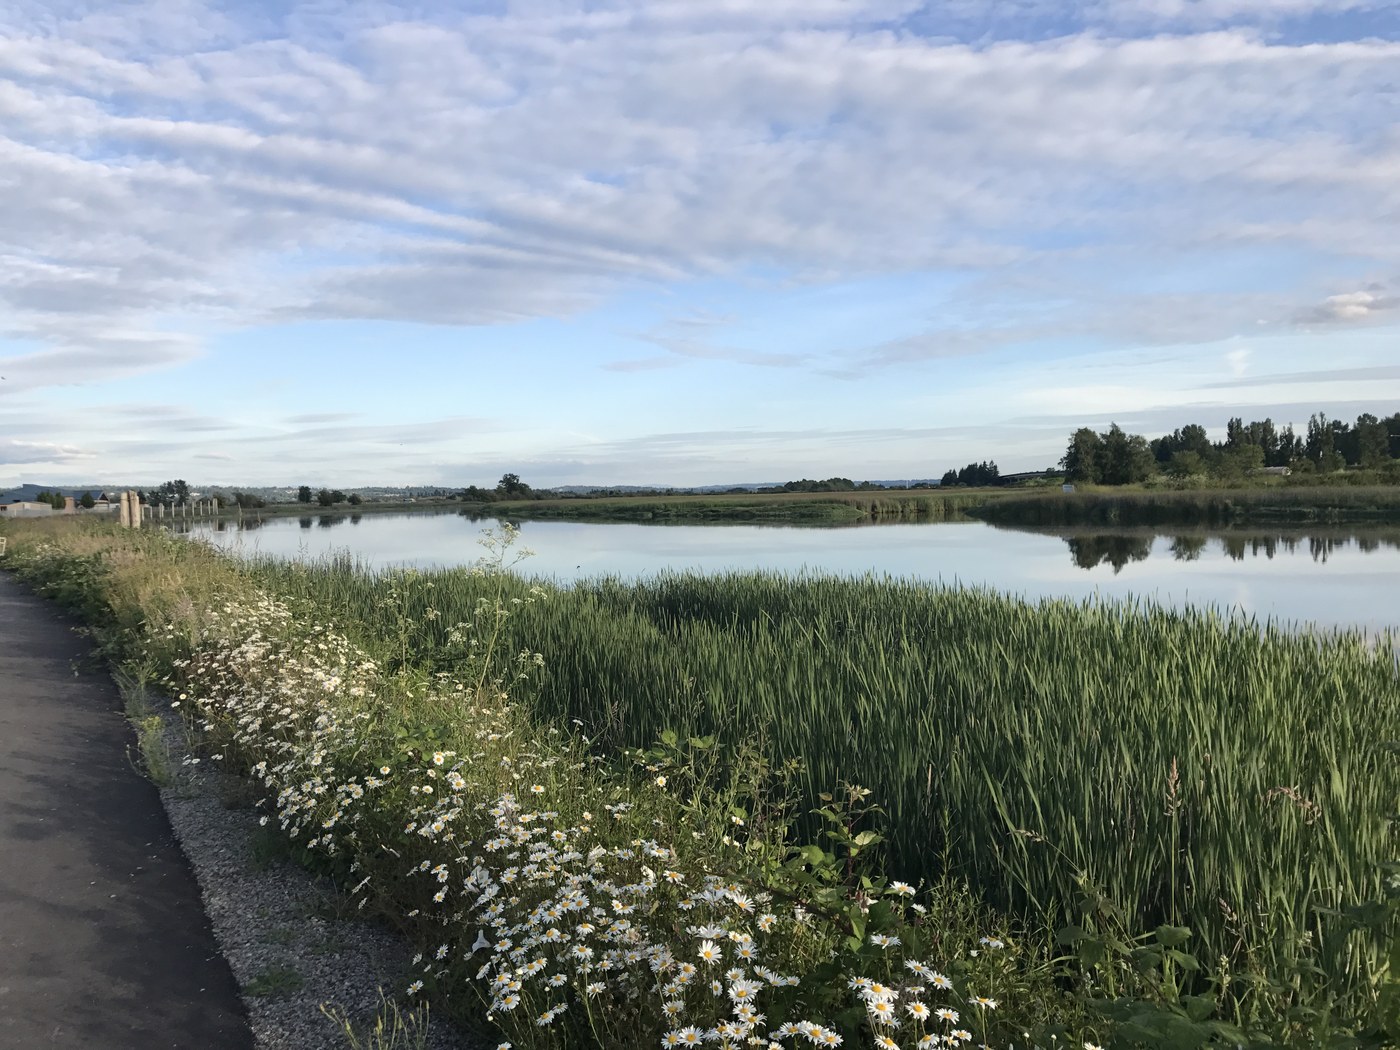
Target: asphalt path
[(104, 942)]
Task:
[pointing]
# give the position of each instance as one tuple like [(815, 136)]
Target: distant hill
[(751, 486), (287, 494), (27, 493)]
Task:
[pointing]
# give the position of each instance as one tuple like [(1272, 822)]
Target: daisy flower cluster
[(575, 902), (292, 699)]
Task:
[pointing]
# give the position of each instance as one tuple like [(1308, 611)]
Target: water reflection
[(1325, 575), (222, 525), (1109, 549), (1090, 549)]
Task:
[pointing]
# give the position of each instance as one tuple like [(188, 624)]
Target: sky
[(681, 242)]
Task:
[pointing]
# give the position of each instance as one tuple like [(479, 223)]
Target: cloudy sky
[(681, 241)]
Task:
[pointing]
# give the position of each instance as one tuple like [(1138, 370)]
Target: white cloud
[(1364, 304), (16, 452), (1237, 360), (1195, 13), (356, 162)]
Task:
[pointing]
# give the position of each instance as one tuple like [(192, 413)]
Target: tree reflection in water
[(1089, 550), (1108, 549)]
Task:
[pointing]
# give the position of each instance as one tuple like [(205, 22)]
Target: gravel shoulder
[(288, 936), (133, 918)]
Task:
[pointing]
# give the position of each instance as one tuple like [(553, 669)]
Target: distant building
[(1281, 472), (25, 509)]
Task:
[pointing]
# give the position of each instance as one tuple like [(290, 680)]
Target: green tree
[(1125, 458), (170, 494), (511, 487), (1235, 433), (1084, 457), (1185, 464), (304, 494), (1190, 438), (1321, 441), (1392, 426), (1372, 441), (984, 473), (355, 499), (1237, 461), (1290, 449), (86, 501), (325, 498)]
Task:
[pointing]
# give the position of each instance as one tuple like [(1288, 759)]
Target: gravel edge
[(283, 931)]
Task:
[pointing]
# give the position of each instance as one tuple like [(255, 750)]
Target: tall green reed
[(1198, 770)]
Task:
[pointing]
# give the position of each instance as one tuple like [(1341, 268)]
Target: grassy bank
[(1188, 767), (795, 508), (1274, 505), (1100, 770), (314, 510)]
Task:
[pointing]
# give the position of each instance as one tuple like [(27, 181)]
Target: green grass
[(1195, 771), (351, 748), (275, 982), (1202, 772)]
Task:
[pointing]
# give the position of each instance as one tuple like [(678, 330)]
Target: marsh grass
[(1194, 769), (1097, 769)]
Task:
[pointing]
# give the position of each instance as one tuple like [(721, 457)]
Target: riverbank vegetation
[(794, 507), (1037, 750), (1329, 447), (574, 834), (1353, 498)]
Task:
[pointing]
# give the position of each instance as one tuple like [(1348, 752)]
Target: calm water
[(1330, 577)]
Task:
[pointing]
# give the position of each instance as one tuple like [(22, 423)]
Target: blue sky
[(681, 241)]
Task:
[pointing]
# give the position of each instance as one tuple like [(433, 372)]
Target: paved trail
[(104, 943)]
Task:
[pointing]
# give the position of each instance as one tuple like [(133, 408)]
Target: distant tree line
[(56, 500), (177, 493), (829, 485), (239, 498), (328, 497), (984, 473), (1114, 457), (169, 494)]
